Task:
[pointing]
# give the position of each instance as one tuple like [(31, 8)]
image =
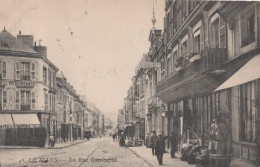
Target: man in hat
[(173, 142), (153, 140), (160, 149)]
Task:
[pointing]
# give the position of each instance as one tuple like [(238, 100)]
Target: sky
[(95, 43)]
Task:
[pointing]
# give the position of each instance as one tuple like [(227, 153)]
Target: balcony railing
[(213, 58), (210, 62), (25, 107)]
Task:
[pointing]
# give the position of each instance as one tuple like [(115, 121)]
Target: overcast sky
[(95, 43)]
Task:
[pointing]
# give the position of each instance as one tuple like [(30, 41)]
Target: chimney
[(26, 39), (41, 49)]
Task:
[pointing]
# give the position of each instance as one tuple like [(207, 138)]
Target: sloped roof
[(10, 42)]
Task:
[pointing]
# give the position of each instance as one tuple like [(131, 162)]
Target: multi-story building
[(208, 43), (28, 82)]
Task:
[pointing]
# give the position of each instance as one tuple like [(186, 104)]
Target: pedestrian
[(160, 149), (51, 140), (153, 140), (173, 142)]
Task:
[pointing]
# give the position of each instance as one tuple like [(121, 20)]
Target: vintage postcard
[(138, 83)]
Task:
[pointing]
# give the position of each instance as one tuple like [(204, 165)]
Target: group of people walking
[(157, 143)]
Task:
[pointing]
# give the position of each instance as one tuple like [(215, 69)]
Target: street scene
[(139, 83)]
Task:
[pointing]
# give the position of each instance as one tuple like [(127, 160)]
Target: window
[(4, 100), (184, 48), (49, 78), (25, 100), (218, 32), (196, 48), (162, 70), (33, 100), (175, 56), (46, 106), (25, 68), (33, 71), (44, 75), (17, 70), (168, 66), (248, 112), (248, 28), (4, 64), (54, 80), (215, 34), (17, 100)]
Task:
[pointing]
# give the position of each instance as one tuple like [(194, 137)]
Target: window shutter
[(17, 67), (222, 33)]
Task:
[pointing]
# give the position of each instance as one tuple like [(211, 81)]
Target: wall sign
[(17, 83)]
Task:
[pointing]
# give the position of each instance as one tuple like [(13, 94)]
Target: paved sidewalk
[(146, 154), (57, 145)]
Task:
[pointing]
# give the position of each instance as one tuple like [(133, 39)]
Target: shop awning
[(249, 72), (6, 119), (26, 119)]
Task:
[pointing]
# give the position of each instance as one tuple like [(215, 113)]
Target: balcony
[(25, 107), (179, 63), (210, 63), (213, 58), (194, 56)]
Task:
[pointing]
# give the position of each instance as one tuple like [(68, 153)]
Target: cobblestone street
[(93, 153)]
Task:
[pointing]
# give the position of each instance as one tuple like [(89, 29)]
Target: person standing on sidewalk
[(160, 149), (153, 140), (173, 142)]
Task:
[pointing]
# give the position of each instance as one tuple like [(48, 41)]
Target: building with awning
[(6, 120), (28, 83), (249, 72), (25, 119)]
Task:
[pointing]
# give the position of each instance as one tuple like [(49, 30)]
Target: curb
[(140, 157), (42, 147)]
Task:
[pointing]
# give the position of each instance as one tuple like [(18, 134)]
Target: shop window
[(248, 112), (25, 100), (4, 64), (25, 71), (17, 100), (17, 71), (248, 28), (33, 100)]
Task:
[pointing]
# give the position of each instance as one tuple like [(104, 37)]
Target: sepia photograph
[(129, 83)]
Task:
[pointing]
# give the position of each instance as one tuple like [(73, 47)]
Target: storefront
[(244, 102)]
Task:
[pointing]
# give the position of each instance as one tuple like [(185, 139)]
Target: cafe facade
[(27, 83)]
